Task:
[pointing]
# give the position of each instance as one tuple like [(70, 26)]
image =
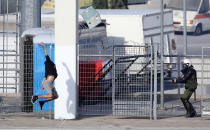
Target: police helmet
[(187, 62)]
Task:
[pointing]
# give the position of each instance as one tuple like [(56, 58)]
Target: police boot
[(188, 115), (193, 114), (185, 106), (192, 111)]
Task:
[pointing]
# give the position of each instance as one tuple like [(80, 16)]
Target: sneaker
[(33, 99), (41, 103)]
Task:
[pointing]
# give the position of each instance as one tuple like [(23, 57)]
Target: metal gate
[(9, 57), (132, 87), (116, 80), (205, 83), (9, 48)]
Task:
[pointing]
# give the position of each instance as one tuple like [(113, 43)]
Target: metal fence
[(116, 80), (27, 76), (132, 93), (10, 101), (9, 50), (95, 69), (205, 84)]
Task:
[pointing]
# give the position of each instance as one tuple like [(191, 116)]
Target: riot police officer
[(189, 77)]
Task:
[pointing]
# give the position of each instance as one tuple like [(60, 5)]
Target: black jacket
[(50, 68), (190, 78)]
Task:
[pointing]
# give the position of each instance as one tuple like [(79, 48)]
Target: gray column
[(30, 14)]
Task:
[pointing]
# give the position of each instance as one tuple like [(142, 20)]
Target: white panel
[(65, 21), (65, 58), (153, 20), (65, 105), (124, 28)]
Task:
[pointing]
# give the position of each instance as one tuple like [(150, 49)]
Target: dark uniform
[(190, 80)]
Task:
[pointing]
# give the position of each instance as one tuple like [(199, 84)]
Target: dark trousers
[(185, 100)]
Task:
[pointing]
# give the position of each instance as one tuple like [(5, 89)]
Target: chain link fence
[(132, 81), (205, 83), (94, 81), (115, 80)]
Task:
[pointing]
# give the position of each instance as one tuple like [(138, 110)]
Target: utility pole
[(30, 14), (162, 56), (185, 27)]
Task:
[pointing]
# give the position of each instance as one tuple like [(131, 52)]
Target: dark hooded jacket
[(190, 78)]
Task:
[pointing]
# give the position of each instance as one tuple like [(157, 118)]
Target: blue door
[(39, 72)]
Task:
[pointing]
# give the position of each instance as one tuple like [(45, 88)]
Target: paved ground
[(172, 117), (103, 123)]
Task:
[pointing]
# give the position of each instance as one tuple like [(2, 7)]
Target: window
[(204, 7), (191, 5)]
